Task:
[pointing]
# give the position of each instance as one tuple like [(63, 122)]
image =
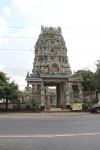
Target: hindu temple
[(51, 68)]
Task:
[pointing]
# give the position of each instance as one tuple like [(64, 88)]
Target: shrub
[(27, 106), (77, 101), (85, 100), (16, 106), (35, 104), (94, 101), (84, 106)]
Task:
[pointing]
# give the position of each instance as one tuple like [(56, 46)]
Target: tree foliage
[(98, 80), (8, 90), (89, 79)]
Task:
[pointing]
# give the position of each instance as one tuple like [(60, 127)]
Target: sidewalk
[(46, 114)]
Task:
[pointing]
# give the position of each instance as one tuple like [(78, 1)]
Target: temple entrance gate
[(57, 98), (51, 67)]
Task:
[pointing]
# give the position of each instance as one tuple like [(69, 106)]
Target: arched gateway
[(51, 68)]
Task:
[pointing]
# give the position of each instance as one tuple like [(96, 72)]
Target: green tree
[(98, 80), (8, 90), (89, 79)]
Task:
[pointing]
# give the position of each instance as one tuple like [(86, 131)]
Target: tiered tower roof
[(51, 54)]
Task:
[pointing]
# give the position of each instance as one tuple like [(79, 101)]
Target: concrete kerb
[(46, 114)]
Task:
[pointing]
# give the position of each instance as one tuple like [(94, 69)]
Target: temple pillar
[(42, 94), (80, 91), (35, 87), (27, 92), (27, 83), (67, 93), (62, 98), (48, 102), (54, 100), (35, 92)]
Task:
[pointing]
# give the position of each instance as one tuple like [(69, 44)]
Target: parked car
[(95, 108)]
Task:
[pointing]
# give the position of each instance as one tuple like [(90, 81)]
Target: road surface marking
[(59, 135)]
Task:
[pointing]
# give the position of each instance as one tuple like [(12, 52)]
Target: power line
[(64, 38), (79, 29), (17, 49), (61, 28), (20, 27), (19, 37), (34, 53), (14, 58), (80, 39), (16, 69), (17, 46), (82, 51), (22, 85)]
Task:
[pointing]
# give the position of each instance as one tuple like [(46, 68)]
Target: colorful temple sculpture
[(51, 68)]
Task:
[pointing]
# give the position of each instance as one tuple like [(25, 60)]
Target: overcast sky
[(80, 23)]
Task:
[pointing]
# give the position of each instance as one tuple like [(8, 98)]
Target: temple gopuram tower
[(51, 68)]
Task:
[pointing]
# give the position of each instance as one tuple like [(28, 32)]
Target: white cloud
[(1, 67), (34, 6), (31, 31), (7, 10), (73, 13), (3, 23), (22, 4)]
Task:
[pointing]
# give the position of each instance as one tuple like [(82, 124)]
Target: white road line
[(59, 135)]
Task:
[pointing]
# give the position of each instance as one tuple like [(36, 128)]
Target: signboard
[(76, 106)]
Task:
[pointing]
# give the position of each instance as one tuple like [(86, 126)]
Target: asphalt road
[(45, 132)]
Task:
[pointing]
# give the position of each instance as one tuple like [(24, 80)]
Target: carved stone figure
[(27, 73), (54, 68)]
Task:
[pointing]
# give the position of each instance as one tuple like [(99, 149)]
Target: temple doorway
[(52, 95), (58, 96)]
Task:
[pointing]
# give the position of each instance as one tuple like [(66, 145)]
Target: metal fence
[(88, 96)]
